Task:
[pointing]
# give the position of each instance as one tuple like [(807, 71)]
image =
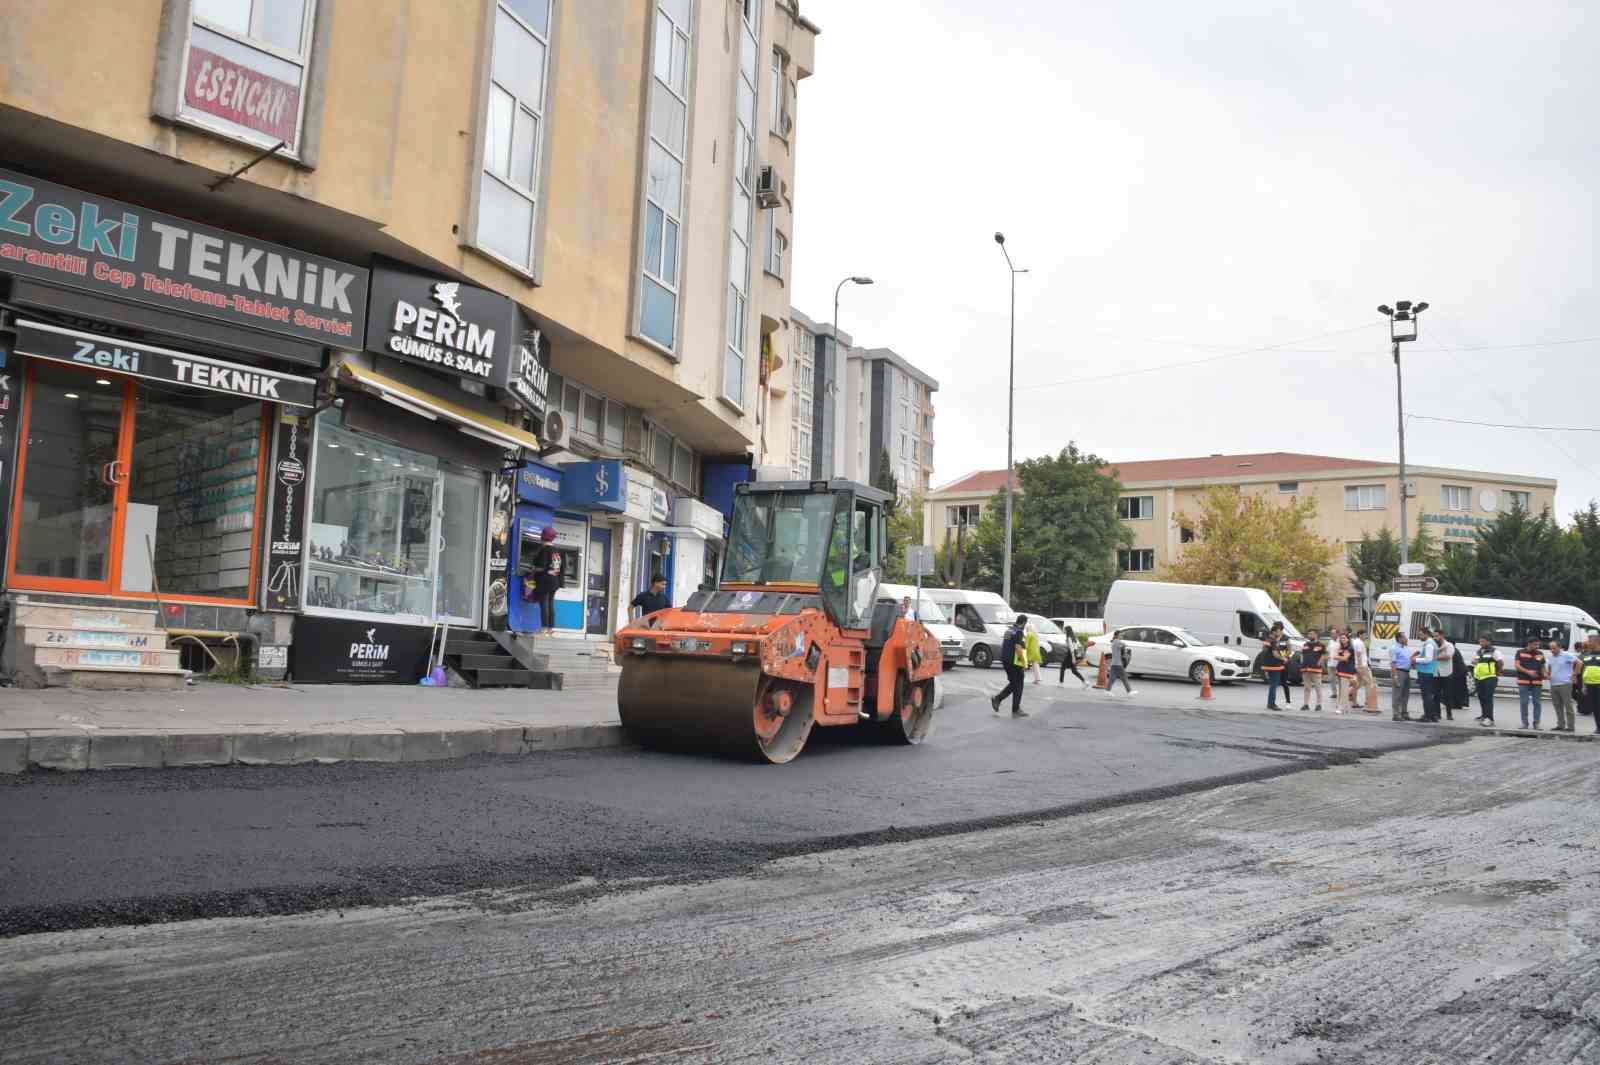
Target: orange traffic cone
[(1205, 684), (1372, 697), (1103, 682)]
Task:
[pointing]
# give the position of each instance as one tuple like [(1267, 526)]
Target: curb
[(77, 750)]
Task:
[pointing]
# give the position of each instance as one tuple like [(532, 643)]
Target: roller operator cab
[(795, 635)]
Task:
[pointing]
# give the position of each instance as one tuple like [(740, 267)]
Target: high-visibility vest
[(1485, 666), (1591, 669)]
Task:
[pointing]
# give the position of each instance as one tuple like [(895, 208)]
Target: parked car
[(928, 611), (1167, 651), (982, 617)]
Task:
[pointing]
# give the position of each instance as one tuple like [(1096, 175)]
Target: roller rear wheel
[(913, 714)]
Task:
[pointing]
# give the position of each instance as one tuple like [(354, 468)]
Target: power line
[(1506, 425)]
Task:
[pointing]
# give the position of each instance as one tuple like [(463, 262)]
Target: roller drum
[(712, 705)]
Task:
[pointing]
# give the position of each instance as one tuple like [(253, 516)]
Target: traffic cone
[(1372, 697), (1103, 682), (1205, 685)]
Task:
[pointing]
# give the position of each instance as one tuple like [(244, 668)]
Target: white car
[(1166, 651)]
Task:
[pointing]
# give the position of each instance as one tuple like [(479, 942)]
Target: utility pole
[(1402, 327)]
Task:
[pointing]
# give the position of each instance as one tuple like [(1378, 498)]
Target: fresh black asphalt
[(158, 845)]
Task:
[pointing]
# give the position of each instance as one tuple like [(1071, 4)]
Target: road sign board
[(1417, 584), (1294, 587), (1368, 589), (1412, 569), (919, 560)]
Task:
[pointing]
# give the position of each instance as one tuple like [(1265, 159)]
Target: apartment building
[(1354, 497), (504, 286)]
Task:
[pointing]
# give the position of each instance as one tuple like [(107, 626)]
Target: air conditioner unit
[(767, 194), (557, 431)]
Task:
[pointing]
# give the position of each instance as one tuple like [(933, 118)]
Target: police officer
[(1485, 678), (1589, 678)]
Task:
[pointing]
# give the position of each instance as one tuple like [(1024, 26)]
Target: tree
[(1519, 556), (1065, 533), (1244, 540), (1377, 559), (1586, 533), (886, 479), (905, 527)]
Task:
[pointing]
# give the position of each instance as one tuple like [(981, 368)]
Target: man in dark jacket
[(653, 598), (1009, 648)]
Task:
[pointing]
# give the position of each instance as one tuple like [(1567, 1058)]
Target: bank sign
[(71, 238)]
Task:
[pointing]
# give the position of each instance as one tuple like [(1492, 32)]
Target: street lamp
[(1402, 327), (1011, 406)]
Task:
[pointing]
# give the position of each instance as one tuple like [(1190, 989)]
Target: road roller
[(794, 635)]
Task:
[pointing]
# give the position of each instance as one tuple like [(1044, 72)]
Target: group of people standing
[(1343, 659), (1574, 678)]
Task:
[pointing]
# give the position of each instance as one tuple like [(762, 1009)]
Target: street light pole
[(1403, 323), (1011, 411), (838, 364)]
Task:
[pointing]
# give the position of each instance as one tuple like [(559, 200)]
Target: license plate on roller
[(691, 645)]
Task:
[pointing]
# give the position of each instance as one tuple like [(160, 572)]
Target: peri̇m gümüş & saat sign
[(61, 235)]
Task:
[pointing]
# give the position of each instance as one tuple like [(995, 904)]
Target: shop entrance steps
[(494, 660), (584, 664), (50, 645)]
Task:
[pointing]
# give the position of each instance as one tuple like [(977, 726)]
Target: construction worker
[(1274, 656), (1312, 656), (1485, 678), (1530, 680), (1589, 681)]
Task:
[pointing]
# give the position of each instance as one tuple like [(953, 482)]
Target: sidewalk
[(221, 724)]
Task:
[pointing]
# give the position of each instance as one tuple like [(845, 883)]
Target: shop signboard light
[(598, 485)]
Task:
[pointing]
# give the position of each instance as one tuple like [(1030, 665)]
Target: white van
[(1085, 629), (932, 617), (1509, 623), (981, 617), (1232, 617)]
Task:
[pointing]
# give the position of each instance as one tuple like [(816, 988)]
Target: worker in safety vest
[(1589, 678), (1485, 678)]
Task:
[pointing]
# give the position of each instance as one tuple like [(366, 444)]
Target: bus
[(1509, 623)]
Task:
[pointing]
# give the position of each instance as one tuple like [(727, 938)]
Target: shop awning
[(430, 406)]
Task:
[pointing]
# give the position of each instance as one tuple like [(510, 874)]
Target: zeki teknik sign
[(458, 330), (136, 359), (71, 238)]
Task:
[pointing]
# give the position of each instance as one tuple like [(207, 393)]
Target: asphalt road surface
[(1084, 885)]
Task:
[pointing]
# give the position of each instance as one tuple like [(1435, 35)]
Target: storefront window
[(394, 532), (192, 495)]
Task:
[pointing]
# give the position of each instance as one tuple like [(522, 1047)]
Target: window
[(244, 71), (962, 515), (661, 453), (666, 157), (1366, 497), (1544, 631), (590, 416), (1457, 547), (1288, 487), (777, 245), (1455, 497), (1186, 535), (1136, 508), (1354, 614), (1251, 626), (740, 222), (1522, 501), (513, 131), (1136, 560), (683, 467), (614, 421)]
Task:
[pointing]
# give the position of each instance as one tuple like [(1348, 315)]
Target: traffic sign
[(919, 560), (1368, 589), (1417, 584), (1412, 569), (1291, 587)]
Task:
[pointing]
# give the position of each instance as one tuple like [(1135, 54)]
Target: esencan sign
[(232, 91), (61, 235)]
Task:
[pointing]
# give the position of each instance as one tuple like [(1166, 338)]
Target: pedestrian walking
[(1013, 657), (1401, 658), (1364, 678), (1426, 665), (1444, 667), (1589, 681), (1070, 659), (1344, 665), (1530, 681), (1485, 678), (1121, 655), (1275, 655), (1313, 656), (1030, 638), (1561, 663)]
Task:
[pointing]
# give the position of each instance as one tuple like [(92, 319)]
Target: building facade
[(289, 345), (1354, 498)]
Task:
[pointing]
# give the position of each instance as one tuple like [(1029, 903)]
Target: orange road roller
[(794, 635)]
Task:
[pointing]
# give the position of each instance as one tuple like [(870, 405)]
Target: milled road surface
[(1430, 906), (150, 845)]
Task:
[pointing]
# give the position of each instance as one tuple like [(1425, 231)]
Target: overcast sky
[(1184, 181)]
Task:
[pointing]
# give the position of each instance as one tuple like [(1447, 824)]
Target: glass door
[(74, 478)]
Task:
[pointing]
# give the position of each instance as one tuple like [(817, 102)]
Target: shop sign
[(599, 485), (693, 514), (447, 326), (540, 485), (61, 235), (11, 384), (502, 511), (640, 488), (660, 506), (1460, 526), (138, 359), (528, 379), (286, 520), (339, 651), (242, 95)]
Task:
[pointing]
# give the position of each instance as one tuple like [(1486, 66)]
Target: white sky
[(1187, 180)]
